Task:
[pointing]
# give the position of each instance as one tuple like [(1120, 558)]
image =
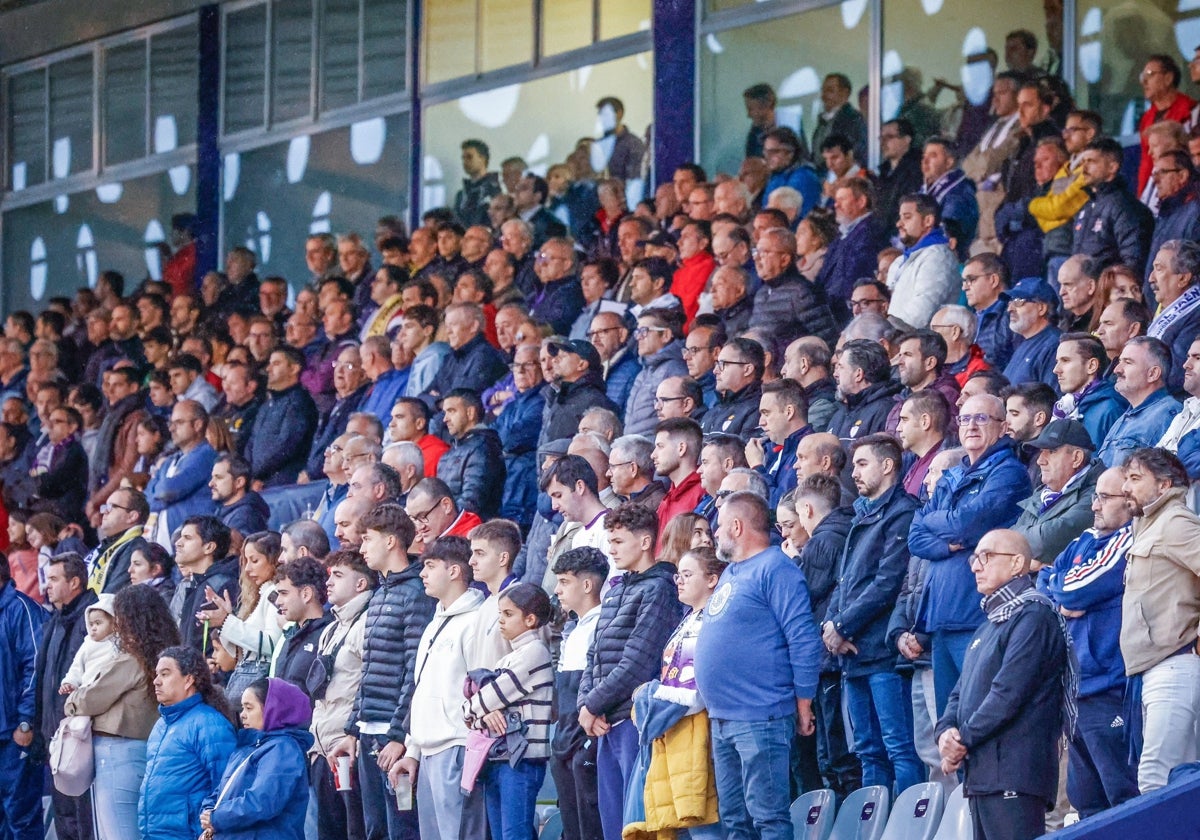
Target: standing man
[(20, 632), (1087, 396), (1141, 376), (676, 456), (985, 286), (284, 426), (838, 117), (121, 521), (479, 185), (1175, 281), (179, 488), (757, 662), (1160, 80), (473, 468), (760, 110), (1005, 717), (951, 188)]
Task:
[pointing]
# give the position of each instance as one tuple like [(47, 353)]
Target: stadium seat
[(916, 814), (863, 815), (812, 815), (956, 818), (553, 829)]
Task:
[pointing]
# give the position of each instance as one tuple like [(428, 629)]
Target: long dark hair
[(144, 627), (192, 664)]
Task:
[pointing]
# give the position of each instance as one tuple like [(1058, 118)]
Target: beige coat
[(1161, 608), (331, 714), (118, 702)]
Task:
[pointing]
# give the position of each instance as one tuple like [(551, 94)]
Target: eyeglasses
[(423, 518), (722, 495), (642, 332), (594, 334), (758, 252), (784, 527), (941, 326), (721, 364), (985, 557), (332, 449), (1158, 173), (665, 400), (517, 367), (612, 465), (108, 506), (863, 304), (1146, 74), (683, 577), (977, 419), (688, 352), (1104, 497), (968, 279)]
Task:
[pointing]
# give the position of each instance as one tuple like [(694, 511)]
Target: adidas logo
[(1117, 722)]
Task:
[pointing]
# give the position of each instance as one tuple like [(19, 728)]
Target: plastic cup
[(341, 774), (404, 793)]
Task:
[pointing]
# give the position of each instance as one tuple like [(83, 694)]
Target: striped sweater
[(525, 681)]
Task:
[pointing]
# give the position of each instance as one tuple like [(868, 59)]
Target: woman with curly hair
[(188, 747), (249, 633), (121, 704)]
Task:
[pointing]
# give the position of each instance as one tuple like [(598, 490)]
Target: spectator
[(922, 427), (660, 352), (22, 621), (631, 471), (1031, 316), (1179, 205), (921, 364), (676, 457), (788, 305), (435, 513), (478, 187), (855, 628), (808, 362), (240, 400), (472, 362), (1088, 397), (116, 445), (188, 747), (560, 299), (577, 386), (950, 188), (1013, 698), (1061, 192), (757, 677), (700, 351), (1087, 583), (985, 286), (120, 702), (1141, 380), (121, 524), (838, 116), (283, 429), (1113, 227), (696, 264), (1160, 85), (838, 160), (785, 155), (179, 488), (739, 372), (596, 279), (300, 597), (519, 425), (1028, 408), (1185, 421), (416, 339), (922, 279), (387, 383), (863, 374), (984, 163), (201, 551), (350, 386), (149, 563), (970, 500), (783, 418), (870, 295), (61, 467), (1174, 280), (410, 422), (1078, 289), (1060, 507), (900, 169), (474, 466), (610, 336), (1120, 321)]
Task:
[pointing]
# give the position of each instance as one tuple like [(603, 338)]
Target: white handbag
[(71, 758)]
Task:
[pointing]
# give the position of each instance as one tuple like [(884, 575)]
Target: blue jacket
[(1114, 227), (1179, 337), (958, 204), (185, 757), (263, 794), (778, 469), (1033, 360), (993, 334), (1138, 427), (759, 648), (1099, 409), (969, 501), (873, 567), (388, 388), (475, 365), (640, 418), (519, 426), (802, 178), (185, 493), (281, 436), (559, 304), (20, 632), (618, 382), (1089, 576), (1178, 218), (247, 515)]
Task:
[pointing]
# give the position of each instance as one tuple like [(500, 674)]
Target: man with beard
[(1030, 315), (116, 445), (925, 276)]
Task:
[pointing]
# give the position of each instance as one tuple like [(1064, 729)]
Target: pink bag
[(479, 744), (71, 758)]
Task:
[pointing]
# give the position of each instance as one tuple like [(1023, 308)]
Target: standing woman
[(123, 710), (250, 633)]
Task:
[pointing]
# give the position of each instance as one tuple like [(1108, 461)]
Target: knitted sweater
[(525, 682)]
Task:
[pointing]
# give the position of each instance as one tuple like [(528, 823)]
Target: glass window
[(339, 53), (507, 28), (125, 103), (27, 129), (71, 84), (385, 28), (174, 81), (1114, 40), (938, 54), (539, 120), (622, 17), (449, 39), (793, 55), (291, 60), (245, 57), (566, 25)]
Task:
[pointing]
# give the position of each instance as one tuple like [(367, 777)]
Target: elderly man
[(618, 355), (519, 425), (808, 361), (679, 396), (1060, 507), (1179, 205), (560, 298), (350, 384), (472, 362), (1030, 315), (957, 326), (1086, 583), (577, 386), (631, 472), (983, 494), (432, 508), (179, 488), (1174, 278), (1078, 285), (1141, 379), (660, 351), (985, 286), (1005, 717), (788, 305)]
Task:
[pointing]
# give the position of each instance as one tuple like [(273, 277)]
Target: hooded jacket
[(1114, 227), (821, 562), (185, 758), (790, 306), (63, 633), (247, 515), (446, 650), (1099, 409), (474, 471), (222, 576), (619, 375), (640, 418), (565, 406), (969, 501), (21, 631), (281, 436), (263, 794)]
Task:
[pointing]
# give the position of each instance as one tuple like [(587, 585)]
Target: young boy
[(637, 616), (494, 547), (437, 734), (581, 573)]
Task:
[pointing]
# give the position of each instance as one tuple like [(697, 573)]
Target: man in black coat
[(900, 171), (788, 305), (62, 634), (300, 595), (863, 373), (1004, 719), (578, 386), (1114, 227), (472, 362), (283, 429), (473, 468), (739, 370), (559, 299)]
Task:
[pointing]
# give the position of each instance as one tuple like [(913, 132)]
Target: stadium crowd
[(641, 498)]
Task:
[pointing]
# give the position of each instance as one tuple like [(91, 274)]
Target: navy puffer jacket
[(474, 470)]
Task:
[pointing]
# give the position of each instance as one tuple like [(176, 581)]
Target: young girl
[(98, 650), (524, 685)]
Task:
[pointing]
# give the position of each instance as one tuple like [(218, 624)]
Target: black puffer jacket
[(397, 615), (637, 616), (476, 365), (734, 413), (474, 470), (565, 407), (864, 413), (62, 635), (281, 436), (820, 560), (790, 306), (1114, 227)]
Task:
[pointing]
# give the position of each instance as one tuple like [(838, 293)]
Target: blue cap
[(1034, 288)]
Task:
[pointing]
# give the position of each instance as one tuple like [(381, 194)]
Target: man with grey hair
[(560, 299), (631, 472), (1173, 278), (742, 480), (788, 201), (601, 421), (788, 305), (516, 237), (1141, 379), (408, 461), (733, 197), (957, 325), (472, 362), (869, 326)]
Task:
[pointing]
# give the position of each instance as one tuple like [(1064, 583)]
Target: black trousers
[(578, 793), (1008, 816), (339, 813), (72, 815), (839, 765)]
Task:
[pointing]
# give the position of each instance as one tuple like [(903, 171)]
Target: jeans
[(949, 648), (1099, 775), (380, 816), (616, 754), (1170, 704), (120, 767), (751, 760), (21, 794), (511, 794), (881, 715), (442, 810)]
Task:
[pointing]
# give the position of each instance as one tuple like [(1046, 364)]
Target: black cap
[(659, 238), (1064, 432), (583, 349)]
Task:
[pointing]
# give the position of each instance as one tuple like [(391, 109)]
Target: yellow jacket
[(681, 790), (1065, 198)]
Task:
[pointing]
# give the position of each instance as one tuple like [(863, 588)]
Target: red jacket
[(180, 271), (682, 498), (1179, 110), (975, 362), (690, 280), (432, 448), (463, 525)]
